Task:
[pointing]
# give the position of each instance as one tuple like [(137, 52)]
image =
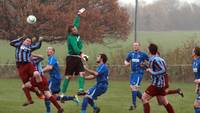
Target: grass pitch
[(116, 100)]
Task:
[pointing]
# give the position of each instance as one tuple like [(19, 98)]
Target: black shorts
[(74, 65)]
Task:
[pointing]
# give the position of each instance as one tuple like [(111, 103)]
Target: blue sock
[(91, 102), (66, 98), (197, 110), (134, 95), (83, 111), (84, 105), (47, 105), (139, 95)]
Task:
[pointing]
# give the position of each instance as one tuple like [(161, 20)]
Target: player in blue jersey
[(55, 79), (157, 69), (135, 58), (196, 70), (101, 74)]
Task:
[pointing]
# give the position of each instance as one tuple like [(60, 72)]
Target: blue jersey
[(55, 72), (103, 73), (23, 52), (136, 58), (196, 68), (158, 70)]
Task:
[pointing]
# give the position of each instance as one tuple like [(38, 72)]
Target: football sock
[(65, 98), (83, 111), (54, 102), (134, 95), (174, 91), (65, 85), (197, 110), (139, 95), (169, 108), (146, 108), (47, 105), (27, 93), (81, 81), (84, 104), (91, 102)]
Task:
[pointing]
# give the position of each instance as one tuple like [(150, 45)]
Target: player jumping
[(74, 65)]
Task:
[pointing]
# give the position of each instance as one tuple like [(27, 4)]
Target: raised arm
[(37, 45), (77, 21), (16, 42)]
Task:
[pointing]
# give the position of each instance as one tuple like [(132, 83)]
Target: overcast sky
[(151, 1)]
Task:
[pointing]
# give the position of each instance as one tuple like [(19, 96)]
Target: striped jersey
[(158, 70), (36, 61), (23, 52)]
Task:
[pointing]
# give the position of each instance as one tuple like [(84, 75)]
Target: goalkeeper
[(74, 65)]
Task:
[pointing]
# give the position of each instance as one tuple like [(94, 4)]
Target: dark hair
[(103, 57), (70, 28), (197, 51), (153, 48)]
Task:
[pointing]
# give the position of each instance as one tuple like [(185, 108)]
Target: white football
[(31, 19)]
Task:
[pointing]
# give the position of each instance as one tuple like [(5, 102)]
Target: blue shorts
[(198, 96), (97, 90), (54, 85), (135, 79)]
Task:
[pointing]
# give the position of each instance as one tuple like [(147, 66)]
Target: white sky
[(151, 1)]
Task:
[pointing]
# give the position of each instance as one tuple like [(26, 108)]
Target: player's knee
[(144, 99), (47, 94), (134, 87), (82, 74), (197, 104)]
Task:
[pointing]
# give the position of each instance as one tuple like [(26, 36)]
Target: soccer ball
[(31, 19)]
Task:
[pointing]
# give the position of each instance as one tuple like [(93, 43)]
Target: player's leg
[(92, 94), (163, 100), (53, 100), (62, 99), (171, 91), (81, 81), (197, 104), (26, 89), (145, 100), (81, 71), (135, 81), (174, 91), (69, 71), (65, 84)]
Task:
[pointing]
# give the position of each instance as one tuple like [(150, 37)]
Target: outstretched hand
[(81, 11)]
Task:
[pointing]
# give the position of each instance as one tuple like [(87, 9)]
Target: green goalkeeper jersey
[(74, 42)]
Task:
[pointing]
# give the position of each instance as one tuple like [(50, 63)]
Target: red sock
[(27, 93), (173, 91), (169, 108), (146, 108), (55, 103)]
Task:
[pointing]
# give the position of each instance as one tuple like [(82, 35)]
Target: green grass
[(166, 41), (116, 100)]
